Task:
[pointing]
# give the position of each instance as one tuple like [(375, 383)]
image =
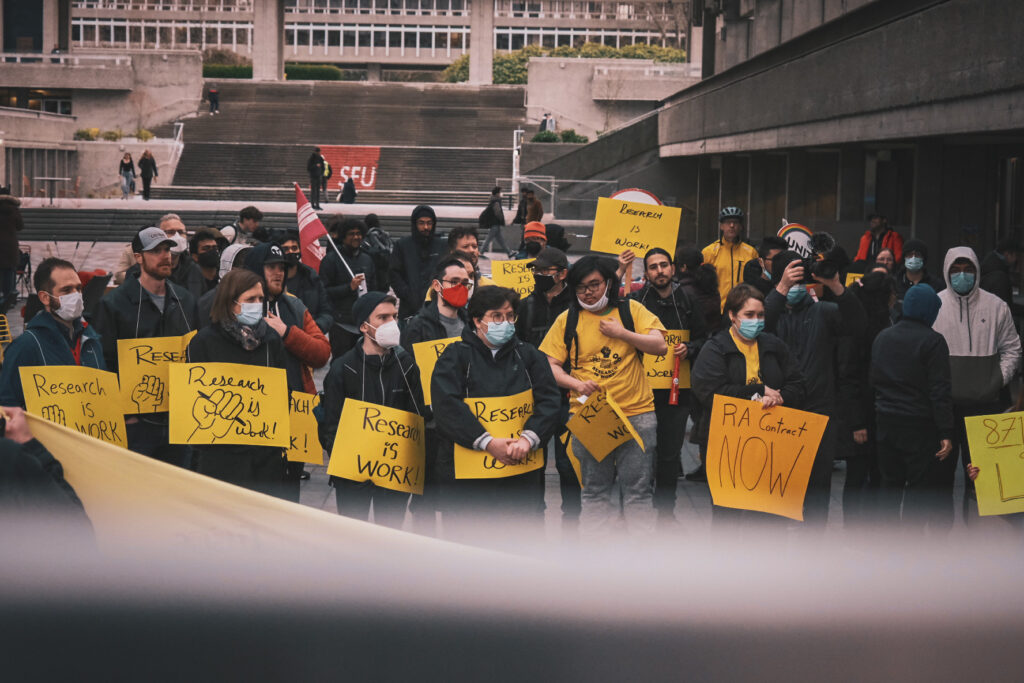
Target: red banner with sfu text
[(351, 161)]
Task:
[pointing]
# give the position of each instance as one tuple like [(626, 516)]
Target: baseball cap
[(550, 257), (149, 239)]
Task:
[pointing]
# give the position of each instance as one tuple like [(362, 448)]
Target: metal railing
[(179, 144), (560, 192), (99, 61)]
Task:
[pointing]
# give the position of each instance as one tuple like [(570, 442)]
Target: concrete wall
[(535, 154), (71, 72), (98, 161), (21, 126)]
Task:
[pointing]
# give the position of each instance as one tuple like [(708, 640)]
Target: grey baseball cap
[(149, 239)]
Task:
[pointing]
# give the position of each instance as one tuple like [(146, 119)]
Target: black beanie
[(364, 306)]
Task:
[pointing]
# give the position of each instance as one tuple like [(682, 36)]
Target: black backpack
[(572, 320)]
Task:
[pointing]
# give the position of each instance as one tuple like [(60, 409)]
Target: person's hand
[(680, 350), (519, 449), (17, 426), (626, 258), (587, 388), (860, 436), (499, 449), (833, 283), (276, 324), (771, 398), (357, 281), (972, 470), (945, 450), (792, 275), (611, 327)]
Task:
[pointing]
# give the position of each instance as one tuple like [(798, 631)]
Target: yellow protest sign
[(566, 439), (229, 403), (503, 417), (515, 275), (659, 368), (997, 450), (621, 225), (142, 369), (383, 445), (851, 278), (84, 399), (426, 354), (761, 459), (601, 426), (305, 438)]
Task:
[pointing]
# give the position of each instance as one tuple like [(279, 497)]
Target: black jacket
[(32, 484), (537, 314), (911, 378), (337, 280), (426, 326), (703, 291), (147, 168), (308, 286), (937, 283), (722, 369), (676, 312), (995, 278), (812, 331), (129, 313), (391, 380), (315, 166), (195, 282), (412, 265)]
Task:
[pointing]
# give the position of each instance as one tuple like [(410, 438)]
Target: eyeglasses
[(590, 287), (464, 283), (500, 318)]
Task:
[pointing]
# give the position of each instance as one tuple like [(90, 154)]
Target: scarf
[(249, 338)]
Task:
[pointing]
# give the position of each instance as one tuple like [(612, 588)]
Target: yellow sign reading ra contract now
[(504, 417), (142, 368), (659, 368), (997, 450), (229, 403), (761, 459), (621, 225), (426, 354), (601, 426), (84, 399), (516, 275), (305, 438), (383, 445)]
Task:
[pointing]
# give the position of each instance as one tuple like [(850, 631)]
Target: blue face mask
[(250, 314), (499, 333), (962, 283), (914, 263), (796, 294), (750, 328)]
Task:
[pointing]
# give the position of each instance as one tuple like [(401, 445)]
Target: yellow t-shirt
[(752, 355), (612, 363)]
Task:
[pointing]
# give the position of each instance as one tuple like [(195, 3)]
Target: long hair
[(230, 288)]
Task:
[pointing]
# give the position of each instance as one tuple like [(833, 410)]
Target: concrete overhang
[(69, 73)]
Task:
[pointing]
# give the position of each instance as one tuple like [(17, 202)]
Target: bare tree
[(671, 19)]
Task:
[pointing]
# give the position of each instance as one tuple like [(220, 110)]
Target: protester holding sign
[(744, 361), (598, 344), (484, 436), (378, 371), (729, 252), (240, 334), (679, 314), (346, 281), (149, 305), (55, 336)]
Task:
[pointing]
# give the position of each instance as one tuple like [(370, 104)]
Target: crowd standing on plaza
[(896, 360)]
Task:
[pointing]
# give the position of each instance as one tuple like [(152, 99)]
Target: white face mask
[(70, 308), (387, 335), (601, 304), (180, 243)]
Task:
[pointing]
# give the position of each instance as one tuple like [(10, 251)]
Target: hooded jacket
[(890, 240), (984, 348), (728, 260), (337, 281), (46, 341), (308, 286), (903, 283), (412, 264)]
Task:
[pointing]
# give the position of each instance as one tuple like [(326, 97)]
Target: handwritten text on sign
[(659, 368), (383, 445), (142, 368), (516, 275), (997, 450), (621, 225), (305, 440), (601, 426), (426, 354), (229, 403), (504, 417), (761, 459), (84, 399)]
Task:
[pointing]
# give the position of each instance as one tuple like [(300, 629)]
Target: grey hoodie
[(984, 347)]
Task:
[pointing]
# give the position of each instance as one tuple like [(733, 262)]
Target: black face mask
[(543, 283), (293, 258), (209, 259), (533, 248)]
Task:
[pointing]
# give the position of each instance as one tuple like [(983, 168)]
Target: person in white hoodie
[(984, 351)]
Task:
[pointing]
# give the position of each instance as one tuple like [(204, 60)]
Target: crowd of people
[(895, 359)]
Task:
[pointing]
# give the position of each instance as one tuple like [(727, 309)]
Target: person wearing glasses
[(598, 345), (489, 361)]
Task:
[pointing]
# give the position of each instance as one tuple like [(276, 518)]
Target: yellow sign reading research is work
[(229, 403), (659, 369), (84, 399), (504, 418), (305, 438), (601, 426), (621, 225), (383, 445), (142, 369), (997, 450), (426, 354), (761, 459), (516, 275)]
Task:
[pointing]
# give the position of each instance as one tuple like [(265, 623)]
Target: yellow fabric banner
[(515, 275), (997, 450), (305, 438), (761, 459), (85, 399), (379, 444), (852, 278), (142, 369), (229, 403), (621, 225), (601, 426), (503, 417), (426, 354), (659, 368)]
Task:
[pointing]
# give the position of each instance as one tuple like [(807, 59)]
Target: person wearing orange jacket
[(729, 253), (877, 237)]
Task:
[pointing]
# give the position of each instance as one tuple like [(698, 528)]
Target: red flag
[(310, 231)]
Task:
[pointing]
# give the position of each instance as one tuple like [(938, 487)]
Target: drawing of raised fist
[(148, 395), (54, 414), (217, 411)]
